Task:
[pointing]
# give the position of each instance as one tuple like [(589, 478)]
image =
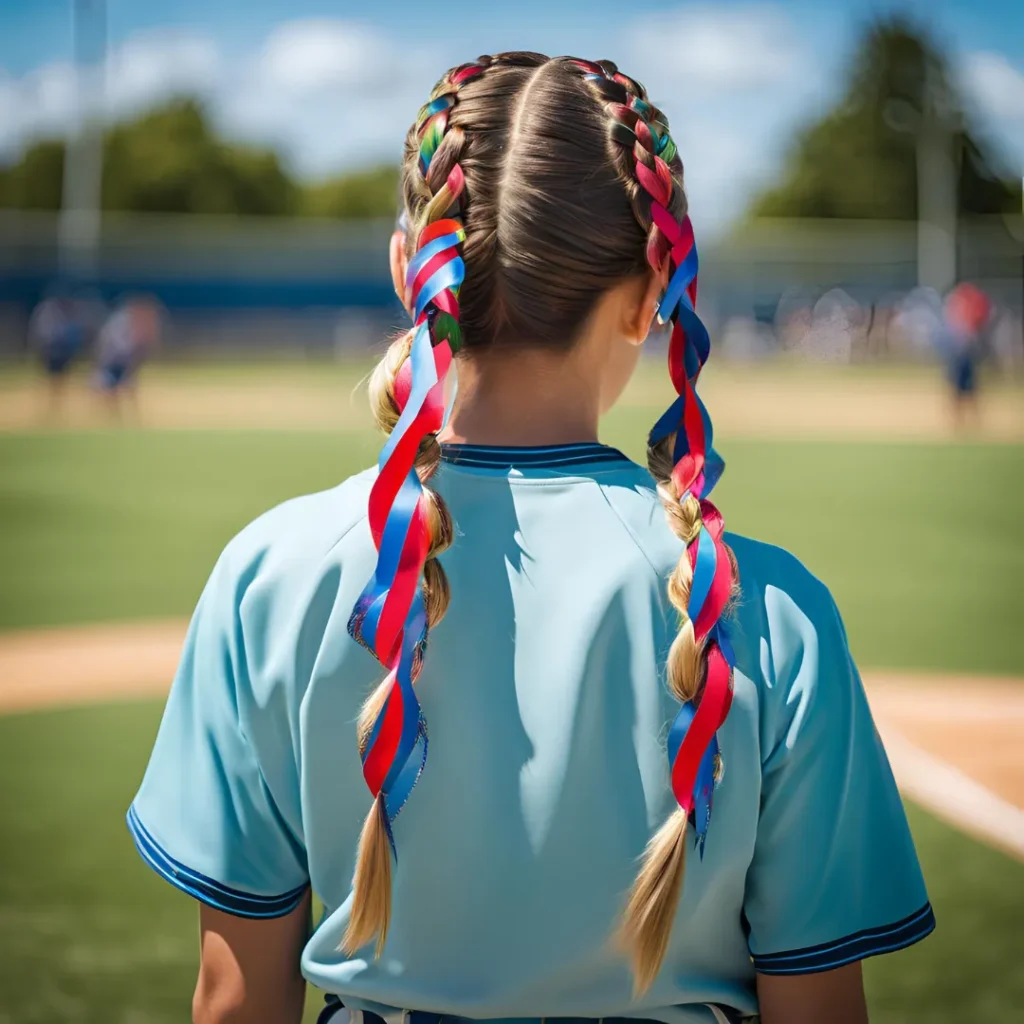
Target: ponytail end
[(371, 899), (653, 900)]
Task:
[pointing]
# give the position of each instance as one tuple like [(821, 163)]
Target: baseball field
[(108, 528)]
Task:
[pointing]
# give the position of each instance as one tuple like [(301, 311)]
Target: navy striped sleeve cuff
[(208, 890), (869, 942)]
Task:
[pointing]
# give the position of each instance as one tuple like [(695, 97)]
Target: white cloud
[(996, 85), (153, 66), (732, 48), (144, 70), (330, 93), (49, 92), (317, 54), (41, 102)]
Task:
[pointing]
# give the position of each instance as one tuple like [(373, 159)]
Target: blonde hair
[(371, 903), (654, 897)]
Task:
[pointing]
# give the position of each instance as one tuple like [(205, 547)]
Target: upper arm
[(836, 996), (218, 814), (834, 876), (249, 969)]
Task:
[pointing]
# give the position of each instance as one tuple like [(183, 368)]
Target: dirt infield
[(954, 741), (976, 725), (176, 404), (747, 401), (74, 665)]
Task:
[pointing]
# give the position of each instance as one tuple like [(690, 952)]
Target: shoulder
[(774, 584), (790, 643), (279, 580), (777, 589), (303, 528), (632, 495)]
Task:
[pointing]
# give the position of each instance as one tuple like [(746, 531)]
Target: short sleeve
[(208, 817), (834, 877)]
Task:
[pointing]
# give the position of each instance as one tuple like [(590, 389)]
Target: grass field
[(921, 544)]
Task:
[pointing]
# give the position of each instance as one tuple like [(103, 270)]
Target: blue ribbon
[(704, 784), (720, 635), (703, 573), (449, 276), (428, 252), (670, 422), (415, 627), (435, 106), (411, 752), (424, 377), (396, 529), (676, 290), (698, 341), (714, 467), (680, 727), (703, 793)]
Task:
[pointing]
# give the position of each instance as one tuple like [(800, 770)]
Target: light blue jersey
[(544, 694)]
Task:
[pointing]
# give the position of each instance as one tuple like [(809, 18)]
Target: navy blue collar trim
[(486, 456)]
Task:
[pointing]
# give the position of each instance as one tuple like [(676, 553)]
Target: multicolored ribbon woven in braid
[(390, 616), (693, 748)]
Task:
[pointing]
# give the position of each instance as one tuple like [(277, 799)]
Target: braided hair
[(409, 523), (531, 186), (681, 458)]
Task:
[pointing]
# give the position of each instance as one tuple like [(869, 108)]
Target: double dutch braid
[(682, 460), (409, 523)]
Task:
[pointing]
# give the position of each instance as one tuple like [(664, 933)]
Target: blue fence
[(257, 282)]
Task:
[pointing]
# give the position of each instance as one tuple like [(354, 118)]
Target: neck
[(523, 398)]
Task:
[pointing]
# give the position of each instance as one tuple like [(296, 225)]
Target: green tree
[(360, 194), (35, 182), (171, 160), (859, 160), (168, 161)]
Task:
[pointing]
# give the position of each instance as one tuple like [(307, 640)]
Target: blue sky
[(335, 84)]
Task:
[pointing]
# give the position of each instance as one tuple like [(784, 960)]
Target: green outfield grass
[(921, 544), (91, 936)]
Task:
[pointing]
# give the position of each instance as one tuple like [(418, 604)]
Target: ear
[(642, 308), (399, 264)]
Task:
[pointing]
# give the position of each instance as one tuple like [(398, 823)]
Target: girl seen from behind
[(653, 789)]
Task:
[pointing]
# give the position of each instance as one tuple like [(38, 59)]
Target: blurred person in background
[(59, 330), (966, 314), (666, 803), (128, 337)]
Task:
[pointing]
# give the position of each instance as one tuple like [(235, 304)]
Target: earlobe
[(399, 263)]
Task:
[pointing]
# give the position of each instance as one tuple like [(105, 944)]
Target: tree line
[(171, 160), (858, 161)]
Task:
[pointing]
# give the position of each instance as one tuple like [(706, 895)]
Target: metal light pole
[(937, 201), (934, 128), (79, 225)]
